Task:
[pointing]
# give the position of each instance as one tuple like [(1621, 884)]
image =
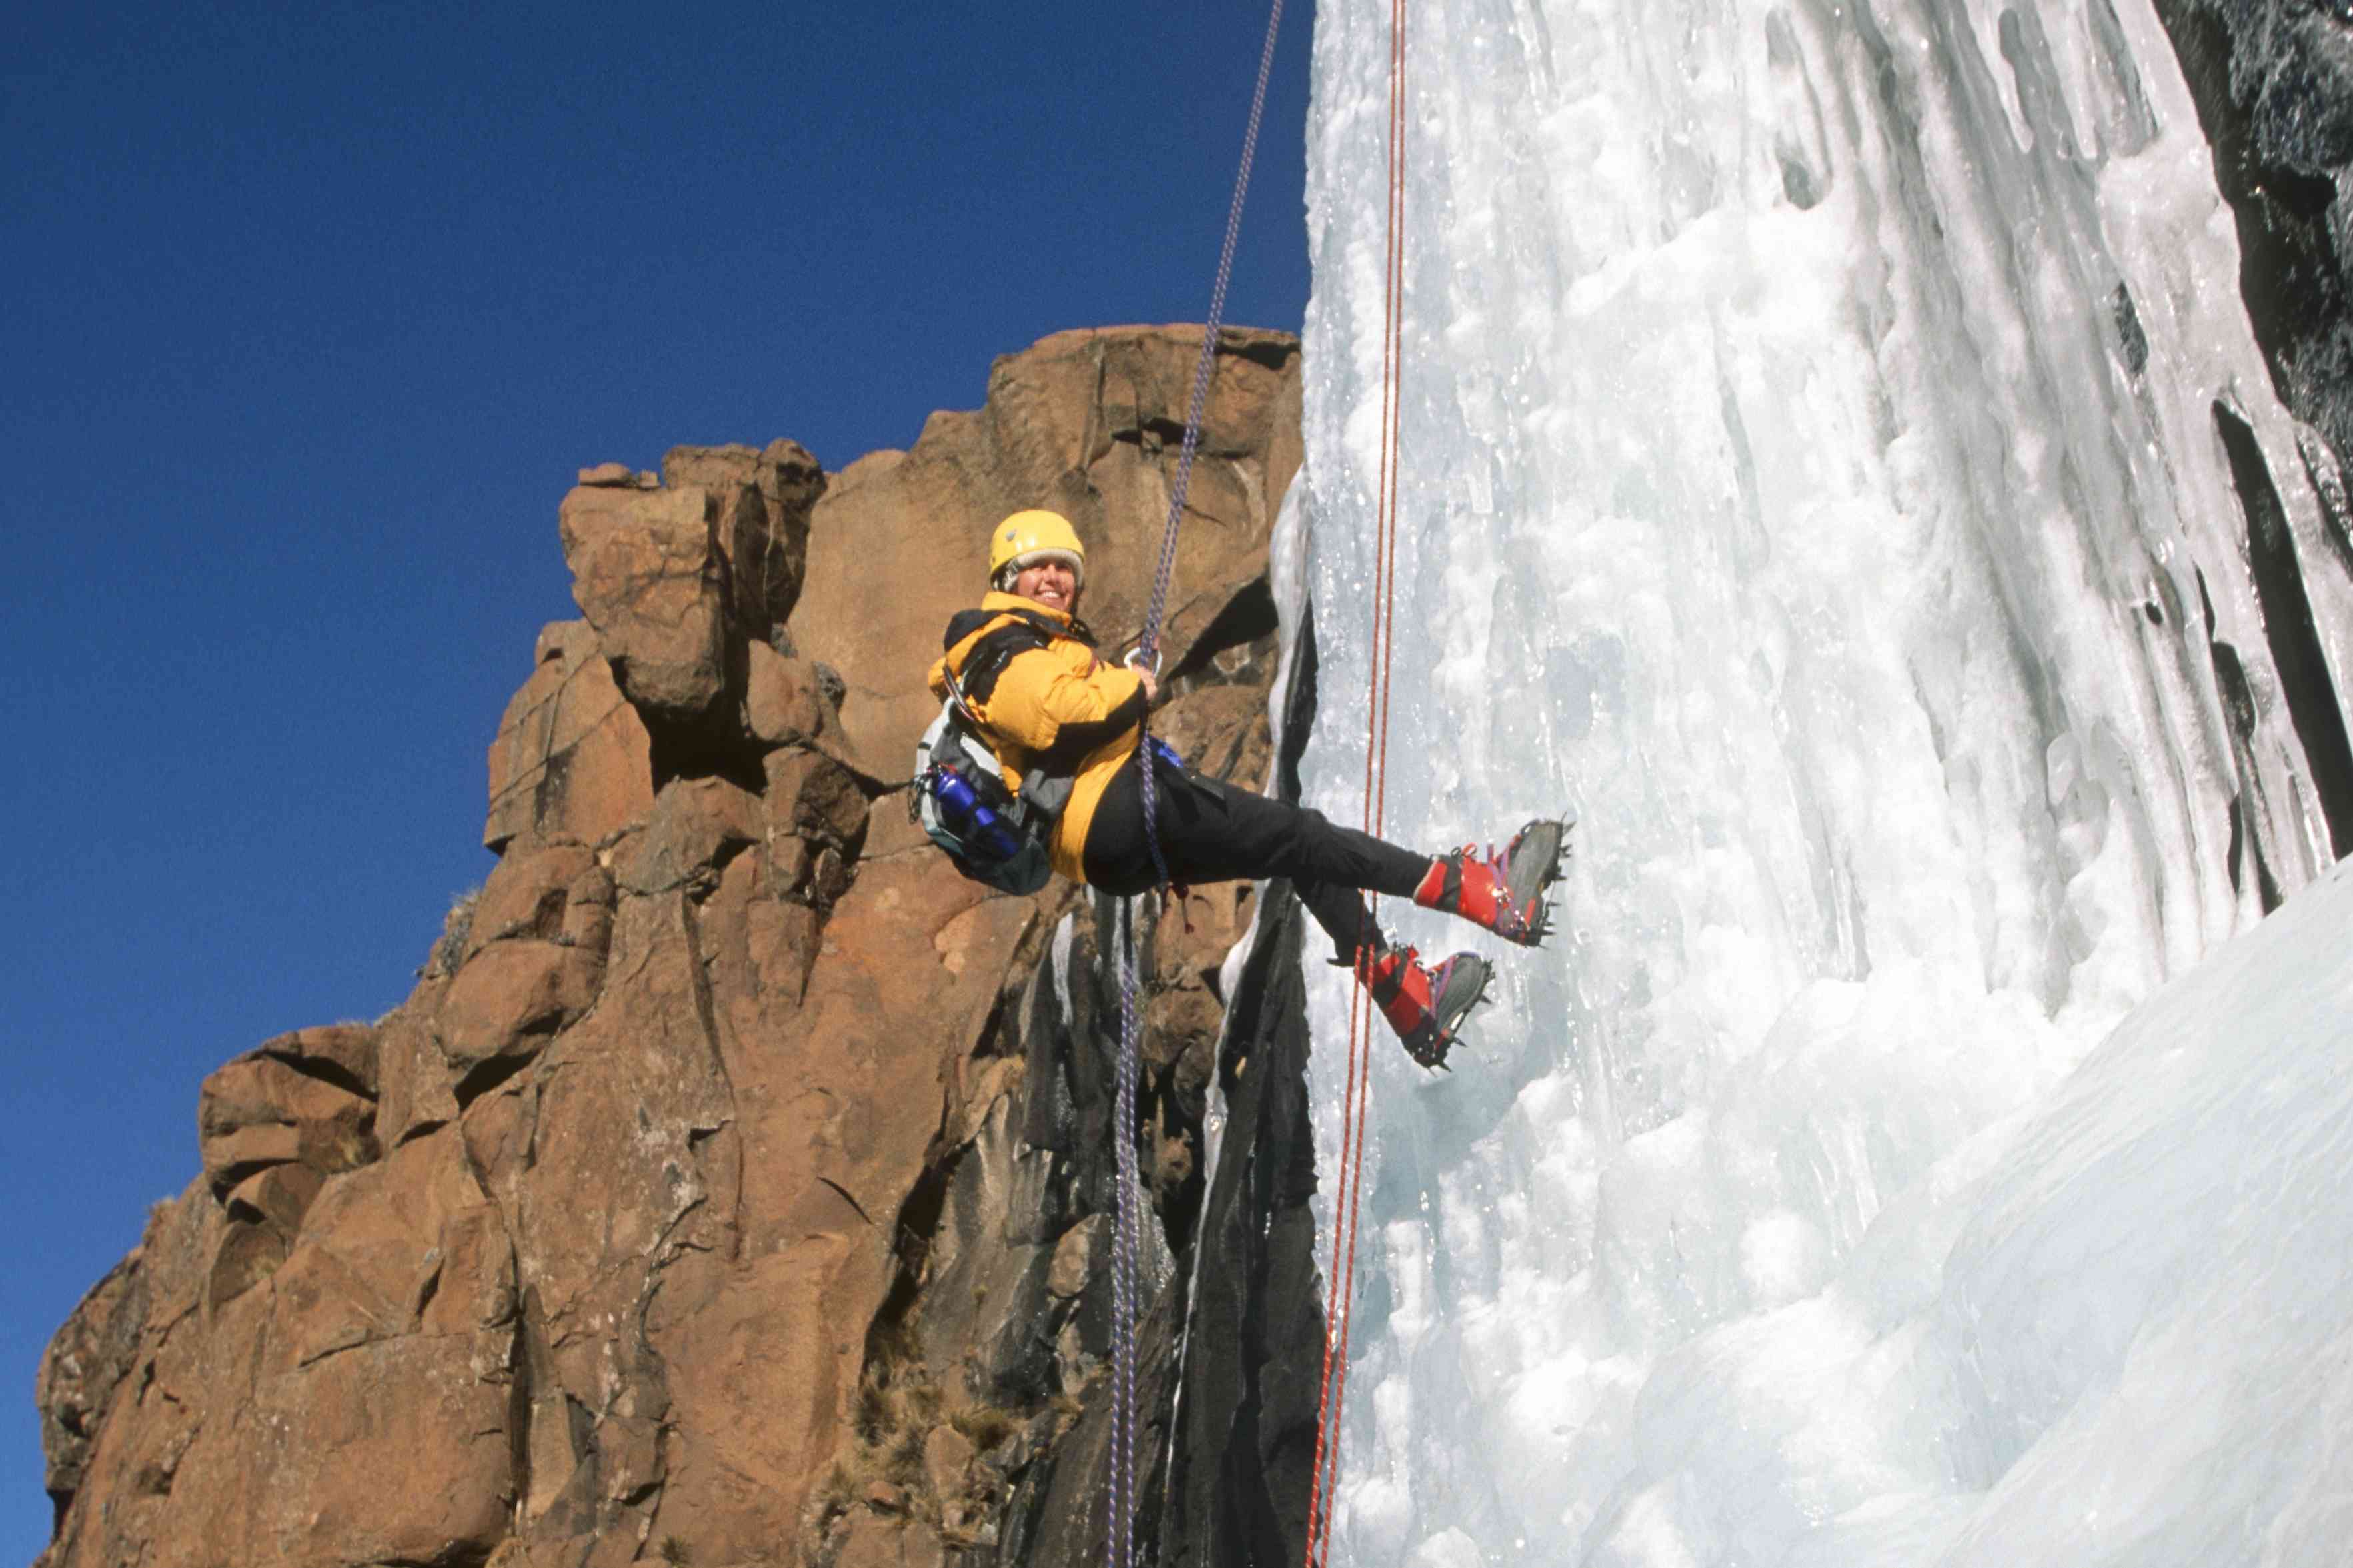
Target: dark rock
[(2273, 80)]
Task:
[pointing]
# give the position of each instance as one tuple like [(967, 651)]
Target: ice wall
[(1817, 422)]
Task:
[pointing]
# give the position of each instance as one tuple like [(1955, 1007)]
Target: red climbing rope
[(1339, 1305)]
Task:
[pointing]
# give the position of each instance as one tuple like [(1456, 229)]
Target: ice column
[(1810, 481)]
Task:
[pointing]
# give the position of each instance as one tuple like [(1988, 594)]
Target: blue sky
[(313, 313)]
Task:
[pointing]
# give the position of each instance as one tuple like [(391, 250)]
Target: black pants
[(1211, 832)]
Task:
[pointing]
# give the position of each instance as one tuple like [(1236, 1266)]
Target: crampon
[(1505, 892), (1426, 1006)]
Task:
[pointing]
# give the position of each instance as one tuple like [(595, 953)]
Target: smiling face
[(1050, 582)]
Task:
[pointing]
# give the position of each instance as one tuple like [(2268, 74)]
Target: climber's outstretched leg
[(1425, 1006), (1210, 831), (1505, 892)]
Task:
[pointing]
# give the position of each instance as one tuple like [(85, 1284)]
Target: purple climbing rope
[(1126, 1226), (1127, 1239), (1149, 646)]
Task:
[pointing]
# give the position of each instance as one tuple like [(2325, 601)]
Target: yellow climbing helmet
[(1028, 537)]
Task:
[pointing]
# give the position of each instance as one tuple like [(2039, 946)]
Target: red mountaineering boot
[(1425, 1006), (1502, 892)]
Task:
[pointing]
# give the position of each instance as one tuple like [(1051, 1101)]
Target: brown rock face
[(1089, 424), (732, 1188), (676, 578), (646, 572), (763, 526), (784, 699), (573, 760)]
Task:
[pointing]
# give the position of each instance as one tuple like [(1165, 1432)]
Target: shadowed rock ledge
[(2271, 81), (735, 1187)]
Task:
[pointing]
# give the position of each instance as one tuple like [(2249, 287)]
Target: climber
[(1064, 725)]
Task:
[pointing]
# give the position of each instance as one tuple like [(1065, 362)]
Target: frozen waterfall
[(1825, 425)]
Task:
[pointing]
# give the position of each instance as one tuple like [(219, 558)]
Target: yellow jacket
[(1058, 707)]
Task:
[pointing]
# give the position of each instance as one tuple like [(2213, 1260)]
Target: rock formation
[(735, 1187), (2273, 82), (2274, 87)]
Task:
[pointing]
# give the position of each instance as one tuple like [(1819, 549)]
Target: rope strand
[(1206, 364), (1127, 1178), (1348, 1200), (1128, 1224)]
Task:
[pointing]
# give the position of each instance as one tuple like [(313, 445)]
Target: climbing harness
[(1127, 1243), (1345, 1201)]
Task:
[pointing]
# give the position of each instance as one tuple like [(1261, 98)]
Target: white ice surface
[(1786, 494)]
